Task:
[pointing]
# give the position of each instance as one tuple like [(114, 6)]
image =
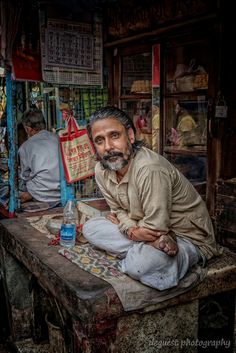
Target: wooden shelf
[(191, 151), (181, 93), (136, 96)]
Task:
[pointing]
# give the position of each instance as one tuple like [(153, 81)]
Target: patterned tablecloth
[(132, 294), (40, 222)]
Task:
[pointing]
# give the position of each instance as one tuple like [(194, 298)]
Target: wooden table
[(93, 314)]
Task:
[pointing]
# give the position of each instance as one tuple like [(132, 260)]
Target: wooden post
[(66, 189), (11, 128)]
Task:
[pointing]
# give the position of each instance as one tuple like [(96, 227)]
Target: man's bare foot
[(166, 243)]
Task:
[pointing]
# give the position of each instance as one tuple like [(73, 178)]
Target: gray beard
[(118, 165)]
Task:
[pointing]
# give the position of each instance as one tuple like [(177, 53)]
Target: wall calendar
[(71, 52)]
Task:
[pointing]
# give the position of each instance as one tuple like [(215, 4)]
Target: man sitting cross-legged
[(159, 225)]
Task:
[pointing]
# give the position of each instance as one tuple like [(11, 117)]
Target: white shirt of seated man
[(39, 161)]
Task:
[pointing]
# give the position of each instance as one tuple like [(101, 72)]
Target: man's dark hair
[(120, 115), (34, 118)]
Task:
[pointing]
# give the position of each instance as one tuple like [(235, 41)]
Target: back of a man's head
[(34, 118)]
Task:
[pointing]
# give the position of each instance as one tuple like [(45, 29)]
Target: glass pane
[(185, 136), (185, 109), (140, 110), (156, 98), (140, 94), (136, 74)]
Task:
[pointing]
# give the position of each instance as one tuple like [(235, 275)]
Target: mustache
[(112, 154)]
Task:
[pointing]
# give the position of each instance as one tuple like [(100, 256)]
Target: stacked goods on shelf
[(141, 86)]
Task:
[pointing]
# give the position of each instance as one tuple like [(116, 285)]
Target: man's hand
[(113, 218), (25, 197), (143, 234)]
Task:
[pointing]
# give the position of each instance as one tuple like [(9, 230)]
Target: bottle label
[(68, 232)]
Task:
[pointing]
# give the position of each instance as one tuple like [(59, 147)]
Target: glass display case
[(137, 89), (170, 114), (185, 104)]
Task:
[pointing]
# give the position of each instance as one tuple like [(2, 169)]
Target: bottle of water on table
[(68, 227)]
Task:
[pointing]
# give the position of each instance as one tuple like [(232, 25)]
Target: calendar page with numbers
[(71, 52), (69, 49)]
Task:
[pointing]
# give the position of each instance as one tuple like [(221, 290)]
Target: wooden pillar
[(11, 130)]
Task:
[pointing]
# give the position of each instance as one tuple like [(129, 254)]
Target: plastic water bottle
[(68, 227)]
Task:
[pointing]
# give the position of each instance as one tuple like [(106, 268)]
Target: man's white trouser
[(141, 261)]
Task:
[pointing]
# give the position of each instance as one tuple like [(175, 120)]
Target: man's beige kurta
[(154, 194)]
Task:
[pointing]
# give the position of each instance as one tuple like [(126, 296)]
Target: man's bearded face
[(113, 143), (116, 160)]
